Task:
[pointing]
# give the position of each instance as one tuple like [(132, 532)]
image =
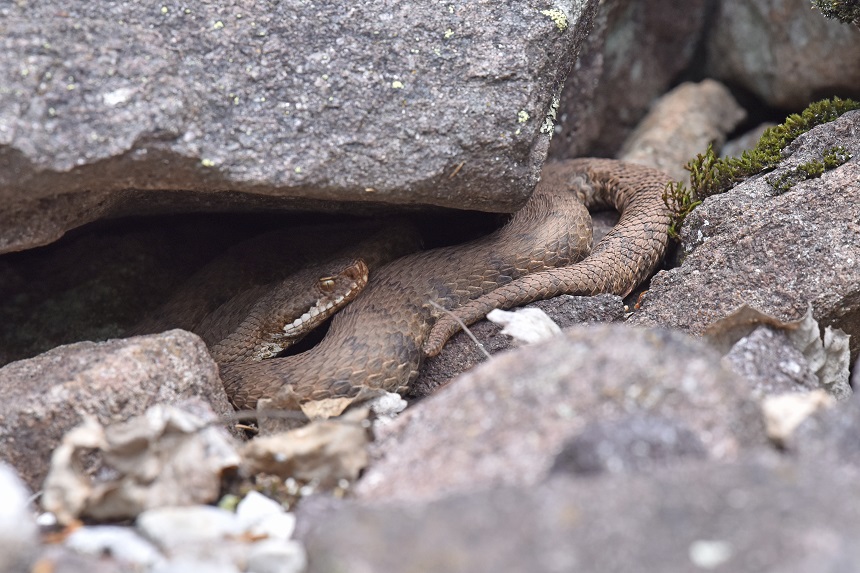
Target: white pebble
[(254, 507), (277, 557), (178, 527), (121, 543)]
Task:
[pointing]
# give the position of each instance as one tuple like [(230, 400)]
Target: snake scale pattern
[(379, 340)]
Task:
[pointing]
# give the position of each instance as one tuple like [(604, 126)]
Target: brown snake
[(379, 340)]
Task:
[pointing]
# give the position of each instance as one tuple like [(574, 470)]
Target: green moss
[(846, 11), (710, 175), (680, 202), (832, 157)]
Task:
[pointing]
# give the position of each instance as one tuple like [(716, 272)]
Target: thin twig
[(463, 326), (266, 413)]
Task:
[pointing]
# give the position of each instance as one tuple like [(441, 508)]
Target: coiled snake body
[(379, 340)]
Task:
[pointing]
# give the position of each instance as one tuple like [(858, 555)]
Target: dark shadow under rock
[(771, 363), (631, 443)]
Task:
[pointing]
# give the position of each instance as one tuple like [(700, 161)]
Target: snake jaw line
[(298, 326)]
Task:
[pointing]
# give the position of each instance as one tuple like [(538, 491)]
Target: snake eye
[(326, 284)]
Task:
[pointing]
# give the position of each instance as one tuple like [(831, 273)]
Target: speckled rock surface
[(774, 252), (756, 515), (631, 443), (461, 353), (771, 363), (114, 109), (783, 51), (504, 421), (641, 43), (45, 396)]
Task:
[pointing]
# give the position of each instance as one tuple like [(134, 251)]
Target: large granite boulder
[(117, 109)]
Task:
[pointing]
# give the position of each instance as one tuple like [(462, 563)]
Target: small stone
[(173, 528), (273, 556), (785, 412), (254, 507), (263, 517), (121, 543), (525, 325), (280, 527), (709, 554)]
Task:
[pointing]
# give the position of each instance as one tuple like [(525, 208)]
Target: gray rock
[(771, 363), (504, 421), (567, 310), (830, 435), (855, 376), (631, 443), (19, 535), (775, 252), (171, 455), (47, 395), (783, 51), (681, 124), (461, 354), (635, 52), (116, 110), (749, 516)]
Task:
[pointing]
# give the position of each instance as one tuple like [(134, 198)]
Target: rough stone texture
[(855, 376), (783, 51), (641, 43), (774, 252), (680, 125), (112, 109), (460, 353), (830, 436), (632, 443), (45, 396), (95, 284), (504, 421), (771, 363), (744, 517)]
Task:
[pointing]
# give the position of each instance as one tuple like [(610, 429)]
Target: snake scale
[(379, 340)]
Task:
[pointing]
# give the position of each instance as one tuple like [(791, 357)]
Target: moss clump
[(833, 157), (846, 11), (680, 202), (710, 175)]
